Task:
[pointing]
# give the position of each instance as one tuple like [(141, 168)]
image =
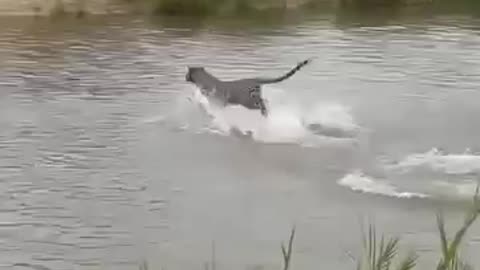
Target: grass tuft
[(380, 254), (287, 252), (450, 250)]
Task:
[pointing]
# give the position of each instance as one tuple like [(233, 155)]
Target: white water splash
[(358, 181), (287, 121), (436, 160)]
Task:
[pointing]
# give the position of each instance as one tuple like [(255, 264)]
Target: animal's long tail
[(288, 74)]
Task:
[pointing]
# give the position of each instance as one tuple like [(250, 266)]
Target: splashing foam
[(357, 181), (439, 174), (287, 121), (438, 161)]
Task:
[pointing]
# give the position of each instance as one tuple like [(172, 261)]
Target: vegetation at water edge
[(382, 253)]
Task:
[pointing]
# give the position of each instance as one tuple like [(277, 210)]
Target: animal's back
[(239, 91)]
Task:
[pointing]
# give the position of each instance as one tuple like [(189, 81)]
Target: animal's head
[(191, 72)]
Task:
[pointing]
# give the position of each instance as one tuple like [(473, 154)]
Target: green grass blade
[(373, 247), (409, 262), (386, 254), (287, 252), (443, 237), (453, 249)]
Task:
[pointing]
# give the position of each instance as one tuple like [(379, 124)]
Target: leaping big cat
[(246, 92)]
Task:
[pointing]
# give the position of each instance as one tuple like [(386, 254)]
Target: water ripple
[(83, 184)]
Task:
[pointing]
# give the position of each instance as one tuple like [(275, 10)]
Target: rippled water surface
[(108, 157)]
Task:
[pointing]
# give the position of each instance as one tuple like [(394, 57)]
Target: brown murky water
[(106, 158)]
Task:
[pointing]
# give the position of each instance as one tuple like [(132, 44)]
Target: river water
[(108, 157)]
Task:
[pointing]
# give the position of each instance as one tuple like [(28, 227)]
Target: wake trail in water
[(418, 175), (358, 181), (433, 174), (438, 161)]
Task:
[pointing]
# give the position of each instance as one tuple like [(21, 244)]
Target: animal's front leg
[(255, 94), (204, 91), (263, 108), (226, 98), (264, 112)]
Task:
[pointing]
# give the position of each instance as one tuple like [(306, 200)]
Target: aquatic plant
[(287, 252), (450, 250), (381, 253)]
